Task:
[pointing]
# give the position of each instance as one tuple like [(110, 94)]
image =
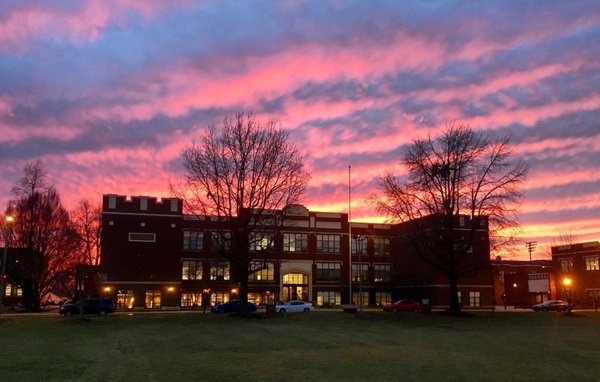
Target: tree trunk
[(453, 293), (243, 292)]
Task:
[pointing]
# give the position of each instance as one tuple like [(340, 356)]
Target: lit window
[(591, 263), (382, 272), (382, 298), (360, 271), (191, 299), (261, 242), (381, 246), (193, 240), (124, 299), (328, 298), (219, 270), (475, 299), (295, 278), (191, 269), (356, 296), (265, 272), (328, 271), (152, 299), (295, 242), (219, 298), (328, 243)]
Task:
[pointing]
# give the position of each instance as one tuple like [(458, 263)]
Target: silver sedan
[(295, 306)]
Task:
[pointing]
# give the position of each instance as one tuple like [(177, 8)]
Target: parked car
[(557, 305), (294, 306), (232, 307), (403, 306), (99, 306)]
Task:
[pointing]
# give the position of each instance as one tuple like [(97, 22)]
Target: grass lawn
[(326, 346)]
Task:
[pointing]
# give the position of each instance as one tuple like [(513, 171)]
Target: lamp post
[(359, 241), (568, 287), (9, 219)]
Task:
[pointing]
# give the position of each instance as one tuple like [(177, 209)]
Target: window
[(381, 246), (262, 298), (259, 243), (152, 299), (459, 298), (359, 244), (295, 278), (174, 205), (112, 202), (124, 299), (142, 237), (193, 240), (219, 270), (219, 298), (475, 299), (143, 204), (328, 298), (221, 241), (191, 299), (356, 296), (591, 263), (295, 242), (328, 271), (360, 271), (191, 269), (328, 243), (382, 272), (382, 298), (566, 265), (265, 274)]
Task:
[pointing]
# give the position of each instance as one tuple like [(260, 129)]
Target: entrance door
[(295, 287)]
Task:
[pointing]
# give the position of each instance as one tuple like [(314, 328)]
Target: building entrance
[(295, 287)]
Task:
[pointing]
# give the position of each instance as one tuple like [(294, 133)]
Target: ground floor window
[(356, 298), (262, 298), (382, 298), (152, 299), (191, 299), (328, 298), (219, 298), (124, 299), (382, 272), (459, 298), (475, 299)]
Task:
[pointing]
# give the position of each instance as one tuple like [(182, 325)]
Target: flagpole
[(349, 236)]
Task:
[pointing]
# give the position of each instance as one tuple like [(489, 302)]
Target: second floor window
[(592, 263), (360, 271), (267, 273), (359, 245), (381, 246), (221, 240), (328, 243), (382, 272), (193, 240), (328, 271), (191, 270), (566, 265), (295, 242), (219, 270)]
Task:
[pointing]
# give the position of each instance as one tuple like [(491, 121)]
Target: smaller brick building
[(579, 263), (523, 283)]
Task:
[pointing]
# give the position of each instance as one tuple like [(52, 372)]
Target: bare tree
[(459, 173), (41, 237), (87, 221), (244, 176)]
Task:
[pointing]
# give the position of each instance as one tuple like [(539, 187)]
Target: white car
[(295, 306)]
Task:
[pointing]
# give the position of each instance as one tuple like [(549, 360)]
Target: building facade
[(523, 283), (156, 257), (577, 268)]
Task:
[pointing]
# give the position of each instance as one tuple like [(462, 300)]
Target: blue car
[(232, 307), (99, 306)]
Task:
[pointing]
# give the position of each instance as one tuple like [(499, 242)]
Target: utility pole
[(531, 247)]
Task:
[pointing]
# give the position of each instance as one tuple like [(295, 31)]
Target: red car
[(403, 306)]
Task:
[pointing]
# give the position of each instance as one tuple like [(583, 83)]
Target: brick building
[(523, 283), (156, 257), (579, 263)]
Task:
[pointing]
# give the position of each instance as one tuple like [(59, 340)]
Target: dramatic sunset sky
[(107, 93)]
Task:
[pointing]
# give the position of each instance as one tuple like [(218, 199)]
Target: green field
[(325, 346)]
